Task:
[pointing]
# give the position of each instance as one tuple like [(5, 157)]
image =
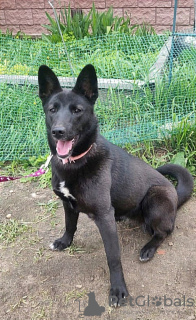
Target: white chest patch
[(65, 191)]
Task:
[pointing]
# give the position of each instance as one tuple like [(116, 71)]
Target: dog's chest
[(64, 190), (79, 196)]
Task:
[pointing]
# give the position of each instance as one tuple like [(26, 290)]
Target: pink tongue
[(63, 147)]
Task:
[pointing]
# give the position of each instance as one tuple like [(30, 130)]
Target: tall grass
[(22, 123), (114, 56), (75, 24), (162, 112)]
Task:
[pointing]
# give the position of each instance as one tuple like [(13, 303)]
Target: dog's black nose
[(58, 132)]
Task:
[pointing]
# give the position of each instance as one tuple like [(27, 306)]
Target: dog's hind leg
[(71, 219), (159, 208)]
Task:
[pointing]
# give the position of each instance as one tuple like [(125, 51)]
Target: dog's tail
[(184, 187)]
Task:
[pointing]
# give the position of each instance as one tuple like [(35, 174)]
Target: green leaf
[(180, 159), (108, 29)]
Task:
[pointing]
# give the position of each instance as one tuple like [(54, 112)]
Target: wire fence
[(138, 98)]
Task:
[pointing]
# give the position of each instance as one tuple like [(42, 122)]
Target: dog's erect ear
[(48, 83), (86, 83)]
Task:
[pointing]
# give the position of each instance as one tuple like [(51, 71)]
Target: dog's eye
[(76, 109), (52, 109)]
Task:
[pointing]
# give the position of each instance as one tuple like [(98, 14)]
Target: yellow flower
[(48, 57)]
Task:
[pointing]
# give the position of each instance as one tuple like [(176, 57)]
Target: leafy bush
[(76, 25), (72, 27)]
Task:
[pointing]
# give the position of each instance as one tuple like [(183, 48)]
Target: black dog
[(93, 176)]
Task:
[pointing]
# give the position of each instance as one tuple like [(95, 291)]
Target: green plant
[(160, 111), (53, 28), (8, 33), (73, 249), (155, 153), (182, 140), (21, 113), (50, 207), (74, 295), (11, 229), (122, 25), (145, 29), (105, 22), (76, 25), (72, 26)]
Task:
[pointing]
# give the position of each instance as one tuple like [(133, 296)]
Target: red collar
[(73, 159)]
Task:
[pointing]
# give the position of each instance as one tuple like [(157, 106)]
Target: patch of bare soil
[(37, 283)]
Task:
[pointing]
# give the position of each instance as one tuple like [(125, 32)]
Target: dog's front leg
[(71, 219), (108, 230)]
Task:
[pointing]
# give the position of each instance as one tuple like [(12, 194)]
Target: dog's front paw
[(147, 253), (61, 243), (118, 296)]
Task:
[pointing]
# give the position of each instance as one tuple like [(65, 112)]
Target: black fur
[(107, 182)]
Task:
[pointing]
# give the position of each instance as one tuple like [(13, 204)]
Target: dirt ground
[(37, 283)]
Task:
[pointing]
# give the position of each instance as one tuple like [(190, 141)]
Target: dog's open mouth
[(64, 148)]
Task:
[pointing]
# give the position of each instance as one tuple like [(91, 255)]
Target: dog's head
[(70, 120)]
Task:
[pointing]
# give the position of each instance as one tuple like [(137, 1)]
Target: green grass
[(73, 249), (22, 123), (74, 295), (163, 113), (11, 229), (23, 57), (124, 117), (50, 207)]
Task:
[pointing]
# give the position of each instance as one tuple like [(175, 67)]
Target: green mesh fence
[(138, 98)]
